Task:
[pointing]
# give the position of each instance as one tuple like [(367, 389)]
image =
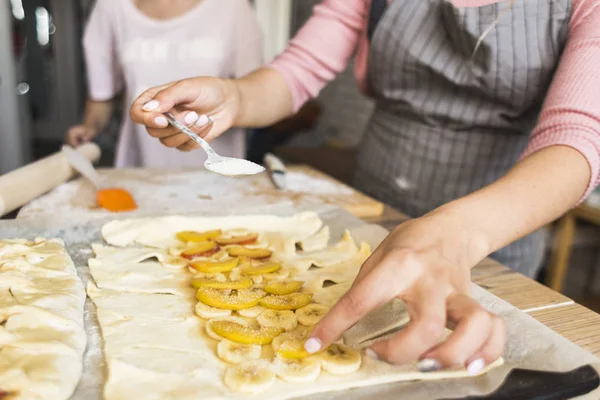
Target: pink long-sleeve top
[(571, 112)]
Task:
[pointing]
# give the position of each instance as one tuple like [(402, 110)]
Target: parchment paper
[(531, 344)]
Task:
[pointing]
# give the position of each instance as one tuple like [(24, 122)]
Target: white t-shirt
[(128, 50)]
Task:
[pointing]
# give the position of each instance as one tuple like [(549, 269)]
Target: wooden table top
[(573, 321)]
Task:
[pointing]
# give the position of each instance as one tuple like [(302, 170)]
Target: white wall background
[(274, 17)]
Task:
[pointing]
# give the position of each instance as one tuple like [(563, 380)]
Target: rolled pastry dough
[(42, 338)]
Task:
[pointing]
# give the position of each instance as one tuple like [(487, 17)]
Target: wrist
[(468, 243), (236, 97)]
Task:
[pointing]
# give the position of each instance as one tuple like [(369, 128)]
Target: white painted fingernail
[(428, 365), (161, 121), (203, 120), (151, 105), (371, 354), (476, 366), (191, 118), (312, 345)]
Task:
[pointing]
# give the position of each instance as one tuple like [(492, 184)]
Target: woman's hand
[(426, 263), (209, 106), (79, 135)]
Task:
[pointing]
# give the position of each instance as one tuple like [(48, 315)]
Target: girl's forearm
[(264, 98), (97, 114), (539, 189)]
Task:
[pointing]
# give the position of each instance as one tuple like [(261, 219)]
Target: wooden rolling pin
[(25, 184)]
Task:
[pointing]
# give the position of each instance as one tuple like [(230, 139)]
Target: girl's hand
[(426, 263), (209, 106)]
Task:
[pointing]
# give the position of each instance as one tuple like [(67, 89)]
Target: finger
[(376, 288), (426, 329), (492, 349), (137, 111), (164, 100), (176, 140), (473, 326), (190, 145), (158, 126)]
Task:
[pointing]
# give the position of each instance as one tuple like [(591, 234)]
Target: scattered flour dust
[(186, 191)]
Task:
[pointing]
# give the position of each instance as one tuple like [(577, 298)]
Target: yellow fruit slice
[(201, 249), (265, 268), (239, 251), (193, 236), (230, 300), (286, 302), (241, 240), (244, 334), (291, 345), (243, 283), (212, 267), (283, 287)]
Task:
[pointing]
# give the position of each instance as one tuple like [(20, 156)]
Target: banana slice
[(265, 268), (252, 312), (237, 353), (251, 377), (208, 266), (299, 370), (285, 319), (291, 345), (209, 325), (281, 274), (243, 333), (230, 299), (216, 284), (281, 287), (311, 314), (207, 312), (340, 359), (239, 251), (257, 279), (286, 302)]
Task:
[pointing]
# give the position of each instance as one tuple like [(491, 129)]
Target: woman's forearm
[(539, 189), (264, 98), (97, 114)]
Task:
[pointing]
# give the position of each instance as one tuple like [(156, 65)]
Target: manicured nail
[(312, 345), (161, 121), (371, 354), (203, 120), (428, 365), (151, 105), (476, 366), (191, 118)]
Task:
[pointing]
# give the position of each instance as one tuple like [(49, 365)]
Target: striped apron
[(446, 123)]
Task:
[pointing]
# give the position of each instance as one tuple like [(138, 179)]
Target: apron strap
[(377, 10)]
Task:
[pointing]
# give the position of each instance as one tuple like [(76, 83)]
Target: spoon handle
[(203, 143)]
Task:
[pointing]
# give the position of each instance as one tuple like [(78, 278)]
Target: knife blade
[(276, 170)]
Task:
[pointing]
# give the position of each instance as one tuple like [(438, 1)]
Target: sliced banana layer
[(237, 353), (281, 287), (286, 302), (230, 300), (339, 359), (251, 377), (285, 319), (243, 333), (251, 312), (209, 325), (311, 314), (298, 370), (208, 312)]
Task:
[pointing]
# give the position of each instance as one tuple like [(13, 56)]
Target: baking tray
[(531, 345)]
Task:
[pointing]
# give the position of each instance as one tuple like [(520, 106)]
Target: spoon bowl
[(228, 166)]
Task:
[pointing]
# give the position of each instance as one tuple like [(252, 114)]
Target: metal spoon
[(228, 166)]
